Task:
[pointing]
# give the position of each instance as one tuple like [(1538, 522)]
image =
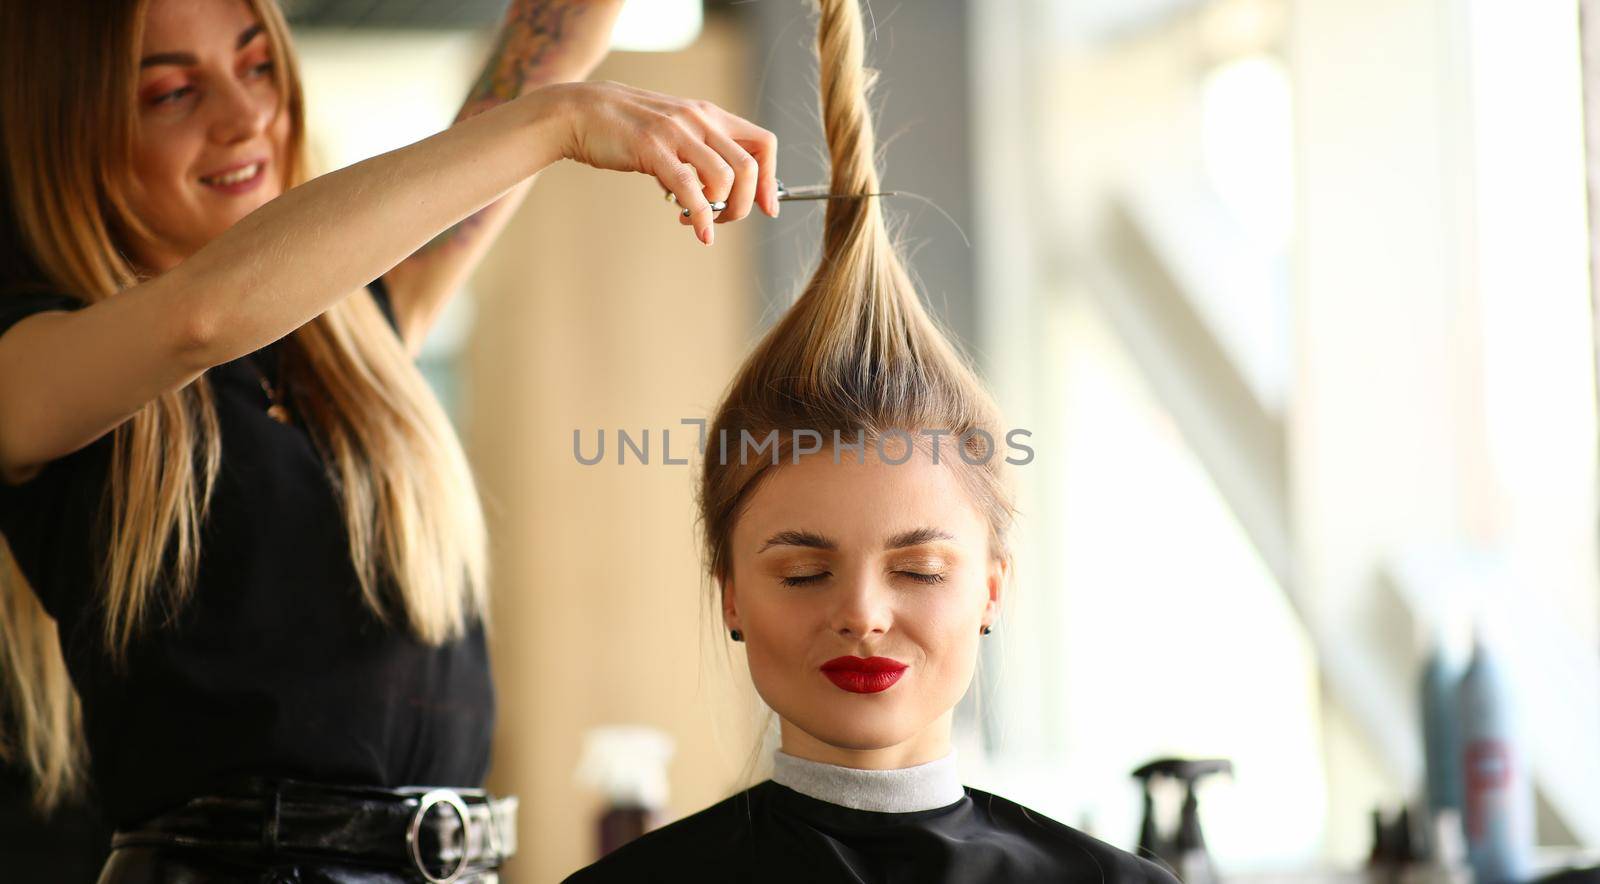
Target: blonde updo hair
[(857, 353)]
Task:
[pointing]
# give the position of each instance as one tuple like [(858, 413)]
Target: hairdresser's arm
[(539, 42), (69, 377)]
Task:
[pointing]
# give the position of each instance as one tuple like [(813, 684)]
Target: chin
[(849, 729)]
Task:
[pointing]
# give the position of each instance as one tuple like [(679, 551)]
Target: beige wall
[(597, 310)]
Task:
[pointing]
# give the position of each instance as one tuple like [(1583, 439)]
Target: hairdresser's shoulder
[(710, 845), (1087, 857)]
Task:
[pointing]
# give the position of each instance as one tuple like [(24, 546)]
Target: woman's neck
[(931, 744)]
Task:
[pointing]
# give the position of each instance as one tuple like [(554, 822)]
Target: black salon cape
[(771, 833)]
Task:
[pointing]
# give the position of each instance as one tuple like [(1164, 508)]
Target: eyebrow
[(188, 58), (813, 540)]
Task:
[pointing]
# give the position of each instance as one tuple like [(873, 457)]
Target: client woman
[(860, 571)]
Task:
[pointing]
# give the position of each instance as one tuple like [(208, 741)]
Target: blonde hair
[(857, 353), (410, 505)]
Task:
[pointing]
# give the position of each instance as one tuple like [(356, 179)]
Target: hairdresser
[(243, 577)]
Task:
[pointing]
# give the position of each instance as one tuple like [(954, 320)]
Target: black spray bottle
[(1184, 852)]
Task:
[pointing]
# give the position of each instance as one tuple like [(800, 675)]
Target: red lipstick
[(864, 675)]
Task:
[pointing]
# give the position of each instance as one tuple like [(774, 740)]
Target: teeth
[(235, 176)]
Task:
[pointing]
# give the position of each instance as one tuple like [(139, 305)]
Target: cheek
[(162, 160), (782, 628), (280, 143), (779, 643), (963, 594), (280, 154), (951, 662), (946, 624)]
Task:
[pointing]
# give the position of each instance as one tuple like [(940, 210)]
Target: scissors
[(786, 194)]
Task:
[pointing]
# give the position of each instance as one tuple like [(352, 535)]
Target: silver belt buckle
[(453, 800)]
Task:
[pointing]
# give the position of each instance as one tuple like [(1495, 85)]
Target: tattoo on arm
[(533, 34), (532, 40)]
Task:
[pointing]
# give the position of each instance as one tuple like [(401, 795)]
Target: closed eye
[(806, 579)]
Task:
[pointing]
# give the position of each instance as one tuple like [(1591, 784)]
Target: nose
[(237, 114), (862, 607)]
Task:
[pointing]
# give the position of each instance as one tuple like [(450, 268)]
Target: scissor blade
[(814, 192), (818, 192), (792, 196)]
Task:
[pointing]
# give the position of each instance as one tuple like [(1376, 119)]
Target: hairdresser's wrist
[(546, 116)]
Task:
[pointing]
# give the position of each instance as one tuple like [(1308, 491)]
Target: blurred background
[(1292, 295)]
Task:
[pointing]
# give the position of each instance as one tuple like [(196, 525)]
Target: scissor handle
[(717, 206), (783, 193)]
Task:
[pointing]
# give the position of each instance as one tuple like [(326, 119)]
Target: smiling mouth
[(237, 176)]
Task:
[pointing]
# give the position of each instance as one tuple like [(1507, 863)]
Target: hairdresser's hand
[(699, 152)]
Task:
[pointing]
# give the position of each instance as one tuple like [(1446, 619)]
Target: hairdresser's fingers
[(683, 182), (715, 123), (759, 144), (715, 173), (763, 145), (746, 174)]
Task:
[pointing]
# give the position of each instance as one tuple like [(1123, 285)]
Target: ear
[(999, 570), (730, 606)]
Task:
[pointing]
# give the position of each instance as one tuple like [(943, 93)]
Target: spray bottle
[(628, 764), (1185, 851), (1497, 790), (1441, 727)]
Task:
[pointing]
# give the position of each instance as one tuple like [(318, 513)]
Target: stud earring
[(736, 635), (985, 630)]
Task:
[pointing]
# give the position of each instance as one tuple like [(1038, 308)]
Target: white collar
[(908, 789)]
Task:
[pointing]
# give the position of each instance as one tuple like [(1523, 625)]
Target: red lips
[(864, 675)]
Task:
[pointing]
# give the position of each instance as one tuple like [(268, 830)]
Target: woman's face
[(862, 560), (210, 141)]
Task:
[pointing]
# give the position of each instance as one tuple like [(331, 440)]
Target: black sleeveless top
[(274, 666)]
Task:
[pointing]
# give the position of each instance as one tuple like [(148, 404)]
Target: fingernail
[(706, 235)]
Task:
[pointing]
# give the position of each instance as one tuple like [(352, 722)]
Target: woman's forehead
[(180, 26), (871, 503)]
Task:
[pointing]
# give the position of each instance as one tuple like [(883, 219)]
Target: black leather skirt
[(291, 832)]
